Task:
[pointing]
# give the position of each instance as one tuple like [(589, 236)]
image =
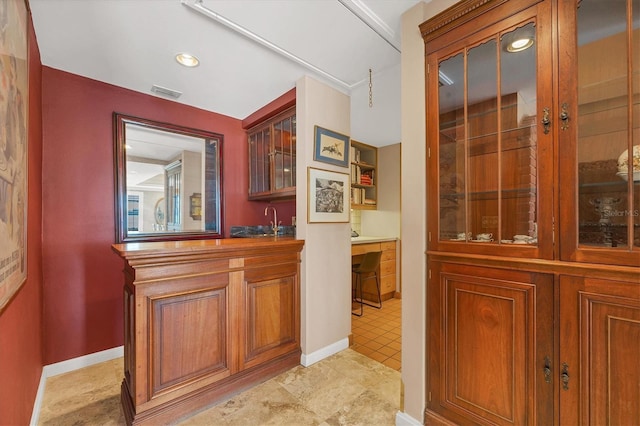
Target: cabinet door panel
[(388, 284), (196, 323), (271, 306), (600, 335), (489, 359)]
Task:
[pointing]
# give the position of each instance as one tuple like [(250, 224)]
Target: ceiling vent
[(165, 92)]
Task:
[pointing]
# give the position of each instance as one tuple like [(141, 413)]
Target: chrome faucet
[(274, 223)]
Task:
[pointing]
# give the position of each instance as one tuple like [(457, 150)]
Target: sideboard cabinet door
[(177, 337), (271, 321), (487, 362), (599, 351)]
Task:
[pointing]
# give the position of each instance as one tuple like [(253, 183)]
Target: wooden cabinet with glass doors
[(533, 111), (272, 158)]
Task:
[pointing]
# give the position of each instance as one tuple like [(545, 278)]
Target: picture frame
[(331, 147), (327, 196), (14, 150)]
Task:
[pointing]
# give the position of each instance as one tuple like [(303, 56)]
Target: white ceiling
[(251, 51)]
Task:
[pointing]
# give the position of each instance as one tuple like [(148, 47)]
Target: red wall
[(21, 320), (71, 302), (82, 277)]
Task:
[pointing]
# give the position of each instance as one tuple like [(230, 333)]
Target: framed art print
[(13, 148), (328, 196), (331, 147)]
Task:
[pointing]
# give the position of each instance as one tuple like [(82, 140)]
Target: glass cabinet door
[(489, 103), (259, 149), (284, 140), (599, 133), (272, 158)]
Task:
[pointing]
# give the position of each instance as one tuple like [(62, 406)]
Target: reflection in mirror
[(168, 181)]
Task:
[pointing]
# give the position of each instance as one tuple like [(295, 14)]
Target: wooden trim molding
[(611, 272), (463, 12)]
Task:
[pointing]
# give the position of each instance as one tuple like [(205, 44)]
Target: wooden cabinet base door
[(600, 351), (487, 365)]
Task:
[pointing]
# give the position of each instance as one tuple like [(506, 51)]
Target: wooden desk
[(386, 271)]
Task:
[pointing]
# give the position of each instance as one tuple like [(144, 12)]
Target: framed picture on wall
[(328, 196), (331, 147), (13, 148)]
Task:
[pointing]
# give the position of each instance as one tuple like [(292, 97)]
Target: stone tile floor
[(347, 388)]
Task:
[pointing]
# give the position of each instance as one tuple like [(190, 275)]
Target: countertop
[(211, 247), (363, 239)]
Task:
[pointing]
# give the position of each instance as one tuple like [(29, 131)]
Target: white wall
[(414, 209), (380, 124), (385, 220), (326, 257)]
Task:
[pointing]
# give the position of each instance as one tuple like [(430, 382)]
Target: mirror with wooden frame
[(168, 181)]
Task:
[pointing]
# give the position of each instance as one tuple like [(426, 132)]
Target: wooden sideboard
[(204, 319), (386, 271)]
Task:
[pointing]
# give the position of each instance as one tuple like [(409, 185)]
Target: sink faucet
[(274, 223)]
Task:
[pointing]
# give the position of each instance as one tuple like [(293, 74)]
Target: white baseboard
[(403, 419), (310, 359), (67, 366)]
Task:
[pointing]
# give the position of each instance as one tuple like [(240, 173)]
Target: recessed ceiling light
[(520, 44), (187, 60)]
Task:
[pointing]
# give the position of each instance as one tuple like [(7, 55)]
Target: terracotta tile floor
[(377, 334)]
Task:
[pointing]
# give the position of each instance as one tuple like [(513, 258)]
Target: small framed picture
[(328, 196), (331, 147)]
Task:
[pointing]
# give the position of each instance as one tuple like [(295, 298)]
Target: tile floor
[(347, 388), (376, 333)]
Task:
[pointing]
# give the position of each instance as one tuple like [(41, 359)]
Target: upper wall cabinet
[(528, 161), (272, 158), (490, 159)]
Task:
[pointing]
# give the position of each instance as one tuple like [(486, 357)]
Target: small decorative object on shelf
[(605, 207), (623, 164)]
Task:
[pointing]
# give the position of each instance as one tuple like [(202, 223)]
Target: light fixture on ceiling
[(187, 59), (520, 39), (519, 45)]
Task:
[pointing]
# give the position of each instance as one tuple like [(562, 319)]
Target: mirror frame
[(119, 131)]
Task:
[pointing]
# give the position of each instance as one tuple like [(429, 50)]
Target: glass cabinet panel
[(451, 150), (259, 148), (284, 137), (482, 142), (272, 158), (608, 123), (487, 101)]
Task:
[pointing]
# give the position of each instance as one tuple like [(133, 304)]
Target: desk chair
[(369, 265)]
